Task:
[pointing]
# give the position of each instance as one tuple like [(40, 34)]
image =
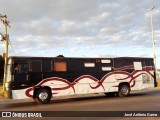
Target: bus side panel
[(21, 94), (88, 84)]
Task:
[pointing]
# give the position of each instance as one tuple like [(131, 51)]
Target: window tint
[(35, 65), (20, 66), (46, 66), (60, 66)]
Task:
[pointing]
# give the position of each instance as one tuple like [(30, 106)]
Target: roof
[(61, 56)]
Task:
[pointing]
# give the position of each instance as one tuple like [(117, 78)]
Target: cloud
[(43, 25)]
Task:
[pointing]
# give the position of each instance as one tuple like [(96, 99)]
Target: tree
[(1, 68)]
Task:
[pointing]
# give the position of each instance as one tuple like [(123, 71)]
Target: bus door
[(20, 70)]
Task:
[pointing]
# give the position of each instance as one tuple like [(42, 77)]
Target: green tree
[(1, 68)]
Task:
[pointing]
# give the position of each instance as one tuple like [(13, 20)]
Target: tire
[(124, 90), (43, 96), (110, 94)]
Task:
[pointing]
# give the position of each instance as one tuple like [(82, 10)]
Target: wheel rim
[(43, 96), (124, 90)]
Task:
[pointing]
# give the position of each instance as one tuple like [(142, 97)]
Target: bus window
[(46, 65), (35, 65), (137, 65), (60, 66), (16, 67), (20, 67)]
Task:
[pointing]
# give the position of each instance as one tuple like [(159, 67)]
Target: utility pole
[(6, 38), (153, 40)]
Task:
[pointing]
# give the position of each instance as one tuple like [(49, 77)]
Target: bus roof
[(61, 56)]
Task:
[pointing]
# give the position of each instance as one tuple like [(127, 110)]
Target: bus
[(42, 78)]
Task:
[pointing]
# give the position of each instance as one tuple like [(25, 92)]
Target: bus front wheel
[(43, 96)]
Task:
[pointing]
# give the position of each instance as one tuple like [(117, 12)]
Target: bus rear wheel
[(124, 90), (43, 96)]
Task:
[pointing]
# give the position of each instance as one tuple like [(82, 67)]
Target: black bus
[(42, 78)]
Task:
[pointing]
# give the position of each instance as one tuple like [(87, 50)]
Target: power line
[(156, 3), (31, 42), (11, 48)]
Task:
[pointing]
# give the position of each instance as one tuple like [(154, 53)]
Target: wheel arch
[(124, 83), (40, 87)]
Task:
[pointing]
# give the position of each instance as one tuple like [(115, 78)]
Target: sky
[(81, 28)]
